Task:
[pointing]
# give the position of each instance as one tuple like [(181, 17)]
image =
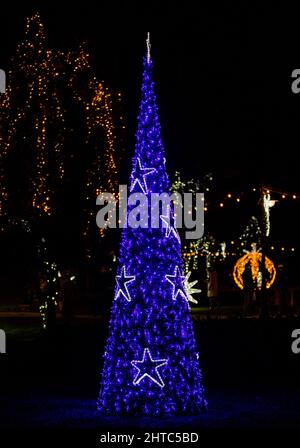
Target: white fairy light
[(148, 47)]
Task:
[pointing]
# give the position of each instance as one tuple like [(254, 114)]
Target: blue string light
[(149, 331)]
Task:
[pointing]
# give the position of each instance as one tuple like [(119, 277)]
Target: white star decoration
[(178, 283), (189, 288), (170, 227), (122, 281), (140, 176), (146, 365)]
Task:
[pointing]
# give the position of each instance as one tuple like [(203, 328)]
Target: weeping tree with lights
[(32, 136), (33, 127), (151, 362), (36, 128), (101, 140), (102, 128), (36, 135)]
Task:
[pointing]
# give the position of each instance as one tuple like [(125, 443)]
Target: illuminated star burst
[(149, 367), (190, 290), (122, 281), (178, 284), (170, 225), (140, 174)]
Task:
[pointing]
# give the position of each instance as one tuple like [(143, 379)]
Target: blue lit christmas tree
[(151, 361)]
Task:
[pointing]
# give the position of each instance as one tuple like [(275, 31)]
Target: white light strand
[(148, 47)]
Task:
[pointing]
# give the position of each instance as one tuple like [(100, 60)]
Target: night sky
[(222, 72)]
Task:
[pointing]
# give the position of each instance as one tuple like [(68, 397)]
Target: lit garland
[(42, 110), (5, 139), (49, 291), (51, 294), (206, 247), (97, 103), (37, 64), (214, 251), (99, 117), (34, 102), (150, 333), (193, 249), (251, 234), (229, 198)]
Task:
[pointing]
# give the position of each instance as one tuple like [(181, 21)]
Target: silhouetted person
[(248, 290), (212, 287), (263, 292), (282, 285)]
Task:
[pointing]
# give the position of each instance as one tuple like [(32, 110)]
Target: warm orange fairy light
[(42, 69), (99, 117), (254, 258)]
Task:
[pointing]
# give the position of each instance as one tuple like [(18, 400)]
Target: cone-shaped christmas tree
[(151, 360)]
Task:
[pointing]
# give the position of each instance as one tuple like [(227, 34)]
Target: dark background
[(223, 75), (223, 81)]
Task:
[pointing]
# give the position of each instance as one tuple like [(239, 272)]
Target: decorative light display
[(254, 258), (122, 281), (5, 141), (189, 287), (267, 204), (178, 284), (230, 198), (151, 328), (50, 278), (140, 174), (146, 365), (41, 82), (169, 222), (35, 102), (206, 247), (98, 106), (251, 234)]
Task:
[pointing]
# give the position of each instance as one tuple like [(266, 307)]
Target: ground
[(51, 381)]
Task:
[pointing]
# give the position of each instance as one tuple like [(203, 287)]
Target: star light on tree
[(140, 174), (151, 320), (148, 367), (190, 290), (122, 281), (178, 284), (169, 221)]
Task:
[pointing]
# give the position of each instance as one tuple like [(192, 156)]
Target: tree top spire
[(148, 47)]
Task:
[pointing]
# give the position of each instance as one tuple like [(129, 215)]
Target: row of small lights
[(238, 199), (192, 254)]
